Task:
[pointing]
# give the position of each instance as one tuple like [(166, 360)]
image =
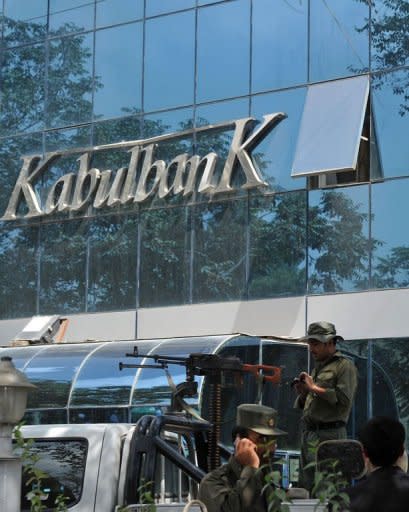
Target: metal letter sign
[(144, 177)]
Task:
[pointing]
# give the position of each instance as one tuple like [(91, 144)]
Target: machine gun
[(213, 367)]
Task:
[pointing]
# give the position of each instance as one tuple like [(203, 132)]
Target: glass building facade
[(79, 79)]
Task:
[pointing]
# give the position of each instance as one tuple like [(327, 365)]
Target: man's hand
[(246, 453)]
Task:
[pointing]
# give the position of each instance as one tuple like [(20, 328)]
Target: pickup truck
[(124, 467)]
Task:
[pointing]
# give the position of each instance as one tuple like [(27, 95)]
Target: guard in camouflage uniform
[(325, 396), (238, 485)]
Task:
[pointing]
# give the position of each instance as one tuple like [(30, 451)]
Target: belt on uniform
[(325, 425)]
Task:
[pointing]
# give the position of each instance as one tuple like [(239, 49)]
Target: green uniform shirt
[(339, 377), (233, 488)]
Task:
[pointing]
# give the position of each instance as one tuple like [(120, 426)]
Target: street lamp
[(14, 387)]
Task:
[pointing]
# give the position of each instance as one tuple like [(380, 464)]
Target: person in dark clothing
[(386, 486), (238, 485)]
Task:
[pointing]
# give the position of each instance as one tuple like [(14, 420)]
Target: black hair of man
[(383, 440), (242, 432)]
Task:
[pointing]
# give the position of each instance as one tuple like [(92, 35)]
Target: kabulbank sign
[(144, 176)]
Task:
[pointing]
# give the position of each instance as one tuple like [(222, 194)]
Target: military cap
[(260, 418), (321, 331)]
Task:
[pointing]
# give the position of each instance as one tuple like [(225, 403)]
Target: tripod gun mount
[(213, 367)]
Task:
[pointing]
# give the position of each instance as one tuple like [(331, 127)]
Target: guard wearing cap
[(325, 396), (238, 485)]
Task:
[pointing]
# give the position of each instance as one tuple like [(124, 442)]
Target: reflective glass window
[(154, 7), (222, 111), (292, 359), (116, 130), (22, 89), (339, 40), (63, 463), (61, 140), (331, 127), (219, 251), (357, 351), (21, 356), (338, 243), (100, 381), (63, 259), (11, 151), (112, 263), (99, 415), (229, 43), (391, 115), (71, 15), (171, 121), (52, 371), (390, 265), (118, 70), (18, 271), (389, 21), (278, 245), (165, 250), (24, 21), (389, 362), (111, 12), (275, 153), (275, 62), (45, 417), (169, 58), (69, 80)]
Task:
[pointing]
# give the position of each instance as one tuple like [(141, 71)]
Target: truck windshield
[(63, 462)]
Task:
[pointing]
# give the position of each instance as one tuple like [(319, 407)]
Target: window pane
[(99, 415), (165, 250), (100, 382), (115, 130), (71, 15), (24, 21), (167, 122), (70, 80), (331, 127), (276, 63), (52, 371), (338, 245), (154, 7), (389, 379), (63, 253), (18, 272), (220, 251), (390, 266), (64, 461), (229, 43), (118, 70), (61, 140), (275, 154), (111, 12), (46, 417), (222, 111), (112, 263), (339, 39), (389, 31), (169, 56), (278, 245), (22, 89), (391, 114)]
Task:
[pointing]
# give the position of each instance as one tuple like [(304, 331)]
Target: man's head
[(258, 423), (383, 440), (321, 338)]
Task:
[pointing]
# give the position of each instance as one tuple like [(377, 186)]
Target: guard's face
[(321, 351), (266, 445)]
